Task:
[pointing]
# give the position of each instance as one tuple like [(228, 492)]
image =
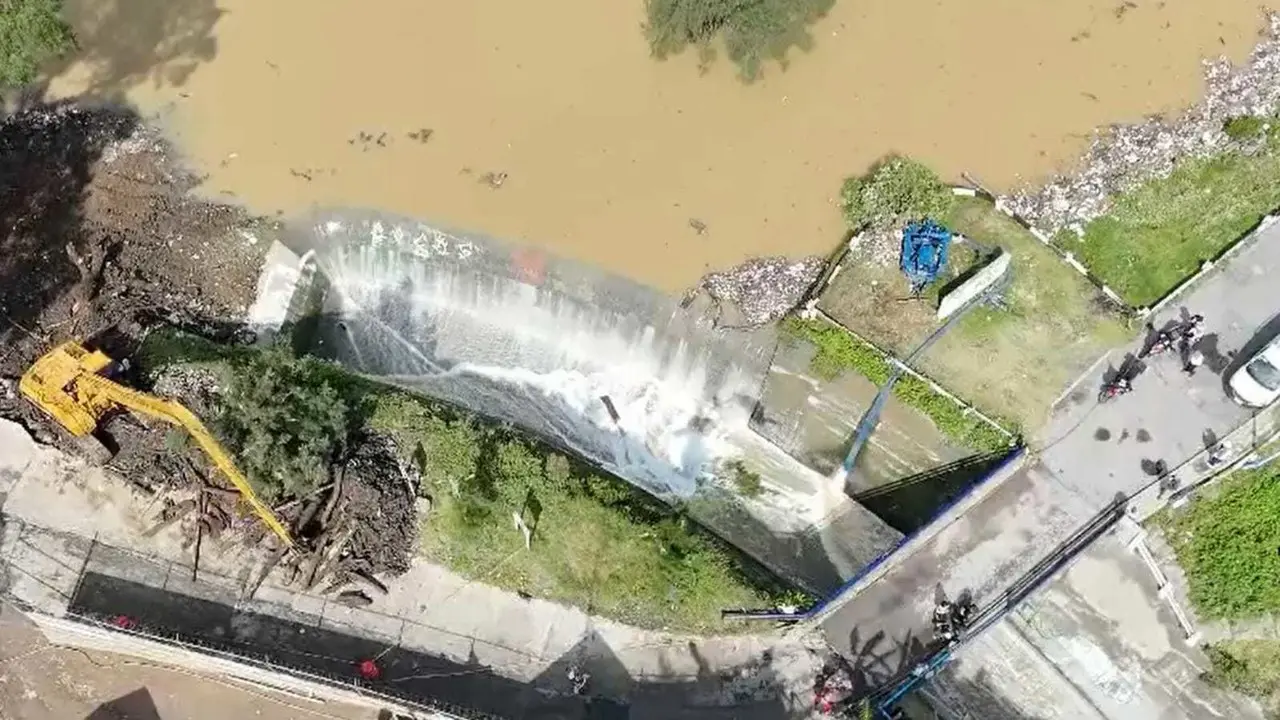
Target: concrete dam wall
[(524, 337)]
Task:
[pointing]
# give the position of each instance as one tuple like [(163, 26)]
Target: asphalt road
[(1098, 450), (1087, 454)]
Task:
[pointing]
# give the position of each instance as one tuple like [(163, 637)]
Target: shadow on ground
[(976, 697), (136, 705), (467, 689), (910, 503), (46, 160), (125, 43)]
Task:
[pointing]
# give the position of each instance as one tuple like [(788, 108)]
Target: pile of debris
[(101, 240), (100, 234), (880, 246), (347, 533), (1125, 156), (360, 525), (759, 291)]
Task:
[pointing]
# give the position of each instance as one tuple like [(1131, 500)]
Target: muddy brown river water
[(607, 155)]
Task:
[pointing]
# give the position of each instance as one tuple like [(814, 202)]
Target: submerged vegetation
[(31, 32), (751, 32), (594, 540)]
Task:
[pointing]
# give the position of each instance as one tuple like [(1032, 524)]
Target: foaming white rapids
[(544, 360)]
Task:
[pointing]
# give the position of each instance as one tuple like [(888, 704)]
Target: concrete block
[(43, 567), (126, 565), (436, 642), (272, 600)]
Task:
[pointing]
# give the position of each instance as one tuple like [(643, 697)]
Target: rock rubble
[(762, 289), (1122, 157)]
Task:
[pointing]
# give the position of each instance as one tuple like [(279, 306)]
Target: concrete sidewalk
[(64, 522)]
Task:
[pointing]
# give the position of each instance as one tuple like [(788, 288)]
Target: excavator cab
[(52, 384)]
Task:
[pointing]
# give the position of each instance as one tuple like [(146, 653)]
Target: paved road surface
[(1088, 454)]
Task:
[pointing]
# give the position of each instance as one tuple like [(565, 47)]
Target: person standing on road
[(1194, 360), (1191, 330)]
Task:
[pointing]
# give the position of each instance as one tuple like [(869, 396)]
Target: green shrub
[(31, 32), (1244, 127), (745, 479), (286, 421), (598, 543), (752, 30), (898, 189)]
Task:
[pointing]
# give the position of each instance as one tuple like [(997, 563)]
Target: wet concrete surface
[(813, 420), (1099, 449), (971, 555), (1104, 626)]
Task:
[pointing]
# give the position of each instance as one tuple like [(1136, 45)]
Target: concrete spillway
[(540, 342)]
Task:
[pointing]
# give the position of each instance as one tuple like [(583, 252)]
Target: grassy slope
[(839, 351), (600, 544), (1013, 362), (1251, 667), (1227, 543), (1158, 235)]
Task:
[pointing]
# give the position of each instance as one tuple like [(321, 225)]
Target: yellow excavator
[(72, 385)]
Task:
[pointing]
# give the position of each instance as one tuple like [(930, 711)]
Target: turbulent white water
[(539, 357)]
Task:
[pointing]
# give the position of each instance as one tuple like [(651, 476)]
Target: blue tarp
[(924, 252)]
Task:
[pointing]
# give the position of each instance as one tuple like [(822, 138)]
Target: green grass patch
[(752, 31), (747, 481), (598, 542), (1012, 361), (839, 351), (1249, 667), (31, 33), (1159, 234), (1244, 127), (1227, 543)]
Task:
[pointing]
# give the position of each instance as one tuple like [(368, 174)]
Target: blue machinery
[(924, 254)]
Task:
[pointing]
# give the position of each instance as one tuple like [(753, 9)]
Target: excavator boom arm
[(175, 413)]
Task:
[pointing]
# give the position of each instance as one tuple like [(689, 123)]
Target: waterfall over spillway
[(541, 361), (615, 372), (502, 335)]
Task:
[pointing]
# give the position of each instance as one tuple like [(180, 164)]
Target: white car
[(1257, 382)]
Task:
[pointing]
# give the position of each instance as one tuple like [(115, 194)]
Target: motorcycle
[(1164, 342), (1114, 389)]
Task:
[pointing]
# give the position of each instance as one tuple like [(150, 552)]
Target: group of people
[(1181, 337), (951, 618)]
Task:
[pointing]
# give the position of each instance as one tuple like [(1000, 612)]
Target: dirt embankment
[(102, 243), (101, 237)]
